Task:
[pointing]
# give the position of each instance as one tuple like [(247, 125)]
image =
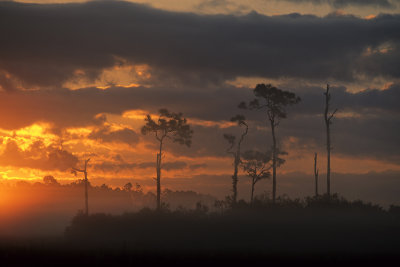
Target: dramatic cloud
[(37, 156), (366, 124), (66, 108), (106, 134), (80, 107), (48, 44), (86, 74)]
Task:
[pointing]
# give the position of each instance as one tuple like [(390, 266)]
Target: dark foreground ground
[(37, 256), (292, 233)]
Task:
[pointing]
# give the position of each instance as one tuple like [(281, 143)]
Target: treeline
[(103, 198), (314, 225)]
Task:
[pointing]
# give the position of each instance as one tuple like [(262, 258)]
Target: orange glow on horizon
[(123, 159), (371, 16)]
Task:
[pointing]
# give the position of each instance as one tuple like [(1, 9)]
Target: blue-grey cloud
[(44, 44)]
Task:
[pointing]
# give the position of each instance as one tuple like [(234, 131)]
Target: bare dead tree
[(84, 171), (316, 174), (240, 119), (328, 121)]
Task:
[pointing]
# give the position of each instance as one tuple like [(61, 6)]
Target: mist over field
[(37, 209)]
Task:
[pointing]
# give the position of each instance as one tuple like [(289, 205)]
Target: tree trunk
[(328, 142), (158, 182), (237, 162), (273, 161), (235, 178), (86, 194), (328, 166), (159, 178), (316, 174), (252, 191)]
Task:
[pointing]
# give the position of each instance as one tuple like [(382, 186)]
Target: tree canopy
[(273, 99), (171, 125)]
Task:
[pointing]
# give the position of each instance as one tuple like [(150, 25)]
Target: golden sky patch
[(243, 7), (123, 74)]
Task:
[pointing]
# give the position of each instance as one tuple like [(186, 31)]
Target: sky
[(77, 79)]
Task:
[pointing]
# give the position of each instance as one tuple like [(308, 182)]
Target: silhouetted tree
[(74, 170), (105, 187), (50, 180), (240, 119), (171, 126), (138, 188), (128, 187), (328, 117), (316, 174), (256, 165), (221, 205), (274, 101)]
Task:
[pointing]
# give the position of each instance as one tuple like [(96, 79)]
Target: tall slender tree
[(328, 121), (84, 171), (169, 125), (240, 119), (256, 165), (274, 101), (316, 174)]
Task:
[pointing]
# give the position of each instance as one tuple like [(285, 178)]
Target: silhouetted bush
[(313, 225)]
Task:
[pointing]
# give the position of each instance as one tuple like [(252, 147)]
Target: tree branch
[(78, 170), (331, 116)]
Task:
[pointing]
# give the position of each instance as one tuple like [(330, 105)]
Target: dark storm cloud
[(43, 45), (345, 3)]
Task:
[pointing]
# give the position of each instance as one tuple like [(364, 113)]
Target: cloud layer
[(37, 156), (366, 125), (344, 3), (187, 63), (47, 45)]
